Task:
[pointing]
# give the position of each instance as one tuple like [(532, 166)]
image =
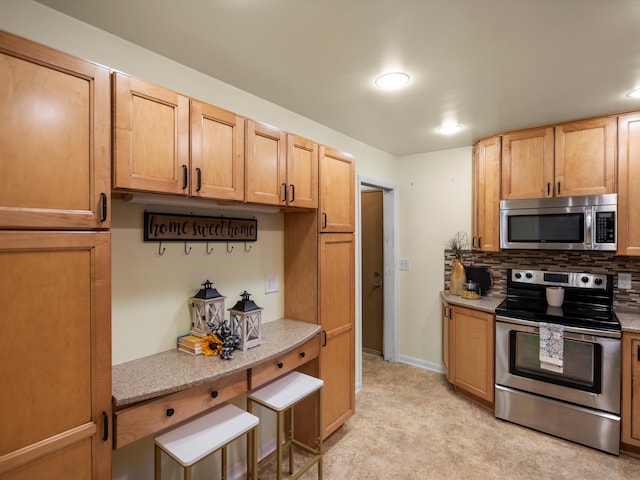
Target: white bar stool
[(203, 436), (282, 395)]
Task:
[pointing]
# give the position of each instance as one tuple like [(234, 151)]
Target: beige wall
[(435, 203), (150, 293)]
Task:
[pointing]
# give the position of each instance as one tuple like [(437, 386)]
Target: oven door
[(591, 370)]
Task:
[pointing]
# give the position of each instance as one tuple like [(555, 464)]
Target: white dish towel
[(552, 347)]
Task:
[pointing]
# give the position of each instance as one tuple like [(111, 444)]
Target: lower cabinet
[(631, 392), (55, 355), (470, 347)]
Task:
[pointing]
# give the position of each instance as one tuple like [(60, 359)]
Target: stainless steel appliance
[(560, 223), (578, 397)]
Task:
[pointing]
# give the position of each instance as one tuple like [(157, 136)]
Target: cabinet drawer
[(282, 364), (136, 422)]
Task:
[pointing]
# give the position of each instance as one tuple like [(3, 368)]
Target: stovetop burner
[(588, 299)]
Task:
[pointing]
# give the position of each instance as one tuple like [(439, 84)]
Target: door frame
[(390, 277)]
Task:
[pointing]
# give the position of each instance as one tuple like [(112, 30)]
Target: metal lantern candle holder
[(207, 310), (246, 322)]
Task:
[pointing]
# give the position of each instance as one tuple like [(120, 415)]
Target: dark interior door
[(372, 271)]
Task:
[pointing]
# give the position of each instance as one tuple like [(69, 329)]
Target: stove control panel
[(559, 279)]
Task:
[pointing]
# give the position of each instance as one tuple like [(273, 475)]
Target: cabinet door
[(217, 153), (337, 318), (472, 352), (151, 137), (266, 161), (446, 313), (631, 389), (302, 172), (585, 157), (486, 195), (629, 184), (337, 191), (527, 164), (54, 139), (55, 354)]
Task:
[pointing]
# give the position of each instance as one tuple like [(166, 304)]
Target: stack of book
[(190, 344)]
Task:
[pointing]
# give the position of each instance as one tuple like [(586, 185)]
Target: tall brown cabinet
[(320, 281), (55, 348)]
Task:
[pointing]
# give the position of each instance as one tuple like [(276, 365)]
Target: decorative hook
[(186, 252), (160, 249), (229, 251), (209, 252), (245, 248)]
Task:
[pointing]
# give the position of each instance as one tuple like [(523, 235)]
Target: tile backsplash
[(594, 262)]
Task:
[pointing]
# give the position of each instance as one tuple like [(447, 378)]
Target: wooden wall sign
[(168, 227)]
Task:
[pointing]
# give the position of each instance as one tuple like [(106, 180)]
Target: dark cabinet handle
[(280, 364), (293, 194), (185, 177), (170, 412), (558, 188), (103, 202), (105, 426), (639, 353), (284, 192), (324, 220), (324, 338), (302, 354), (214, 394), (198, 179), (548, 188)]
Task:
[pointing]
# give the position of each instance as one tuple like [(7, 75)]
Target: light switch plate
[(405, 264), (271, 284), (624, 281)]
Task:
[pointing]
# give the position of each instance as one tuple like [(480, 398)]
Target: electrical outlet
[(624, 281), (271, 284), (405, 264)]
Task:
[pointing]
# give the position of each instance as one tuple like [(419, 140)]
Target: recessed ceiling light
[(634, 93), (449, 129), (392, 81)]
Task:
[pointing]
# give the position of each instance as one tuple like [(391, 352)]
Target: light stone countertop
[(629, 320), (487, 303), (174, 370)]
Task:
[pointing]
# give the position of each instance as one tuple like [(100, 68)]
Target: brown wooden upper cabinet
[(577, 158), (629, 184), (337, 191), (54, 139), (485, 218), (282, 168), (165, 142)]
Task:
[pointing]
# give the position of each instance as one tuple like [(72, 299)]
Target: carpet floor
[(410, 424)]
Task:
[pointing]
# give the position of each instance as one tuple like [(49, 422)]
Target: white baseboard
[(416, 362)]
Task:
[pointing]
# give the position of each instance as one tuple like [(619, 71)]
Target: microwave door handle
[(589, 226)]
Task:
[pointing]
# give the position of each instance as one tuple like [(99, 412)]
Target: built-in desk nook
[(159, 391)]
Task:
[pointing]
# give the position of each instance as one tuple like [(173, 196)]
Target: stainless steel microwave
[(560, 223)]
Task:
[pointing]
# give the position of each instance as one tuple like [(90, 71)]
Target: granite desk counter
[(155, 392)]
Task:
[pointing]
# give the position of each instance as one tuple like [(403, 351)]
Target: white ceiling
[(491, 65)]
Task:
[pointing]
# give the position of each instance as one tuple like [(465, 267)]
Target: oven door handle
[(576, 330)]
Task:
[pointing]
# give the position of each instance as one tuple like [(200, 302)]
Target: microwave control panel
[(605, 227)]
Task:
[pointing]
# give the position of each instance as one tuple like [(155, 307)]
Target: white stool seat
[(285, 391), (281, 396), (191, 442)]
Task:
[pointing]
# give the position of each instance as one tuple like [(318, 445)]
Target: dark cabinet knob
[(170, 412), (214, 394), (302, 354), (280, 364)]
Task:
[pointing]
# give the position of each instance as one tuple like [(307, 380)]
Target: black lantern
[(246, 322)]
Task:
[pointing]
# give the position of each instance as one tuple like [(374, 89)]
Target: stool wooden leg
[(224, 463), (280, 421), (319, 427), (157, 462), (290, 440), (187, 473)]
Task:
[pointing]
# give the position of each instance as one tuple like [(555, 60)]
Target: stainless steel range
[(558, 367)]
